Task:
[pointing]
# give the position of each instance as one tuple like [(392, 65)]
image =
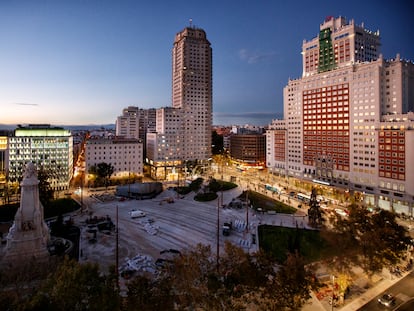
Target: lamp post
[(333, 291), (81, 192), (117, 251), (218, 234), (129, 180), (247, 210)]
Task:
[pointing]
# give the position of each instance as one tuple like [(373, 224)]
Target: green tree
[(217, 143), (196, 184), (293, 283), (76, 286), (190, 278), (214, 185), (102, 172), (314, 212), (140, 295), (19, 280), (105, 171), (46, 192), (372, 241), (384, 243)]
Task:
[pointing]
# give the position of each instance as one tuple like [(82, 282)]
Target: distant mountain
[(88, 127), (7, 127), (11, 127)]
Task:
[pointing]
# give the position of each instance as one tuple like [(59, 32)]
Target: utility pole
[(333, 291), (247, 210), (81, 192), (117, 252), (129, 180), (218, 234)]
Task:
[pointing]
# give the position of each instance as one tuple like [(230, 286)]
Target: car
[(387, 300), (341, 212), (136, 214)]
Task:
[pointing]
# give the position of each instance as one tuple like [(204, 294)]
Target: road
[(402, 290)]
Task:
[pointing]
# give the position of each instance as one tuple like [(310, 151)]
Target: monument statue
[(29, 235)]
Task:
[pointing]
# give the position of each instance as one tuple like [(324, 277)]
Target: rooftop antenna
[(191, 22)]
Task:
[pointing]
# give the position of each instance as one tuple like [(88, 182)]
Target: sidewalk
[(371, 293), (314, 304)]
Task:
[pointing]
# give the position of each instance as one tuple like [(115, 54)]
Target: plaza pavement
[(185, 223)]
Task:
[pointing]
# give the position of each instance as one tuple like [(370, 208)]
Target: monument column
[(29, 235)]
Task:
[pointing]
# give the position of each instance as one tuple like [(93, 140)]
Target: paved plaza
[(170, 222), (179, 222)]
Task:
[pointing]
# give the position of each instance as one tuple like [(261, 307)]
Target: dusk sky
[(81, 62)]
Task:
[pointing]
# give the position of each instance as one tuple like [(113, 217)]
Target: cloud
[(25, 104), (256, 56)]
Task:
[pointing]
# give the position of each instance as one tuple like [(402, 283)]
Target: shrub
[(205, 197), (60, 206)]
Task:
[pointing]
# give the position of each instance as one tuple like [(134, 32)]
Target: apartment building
[(124, 154), (248, 149), (348, 120), (136, 122), (4, 159)]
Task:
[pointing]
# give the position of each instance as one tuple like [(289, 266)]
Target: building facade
[(192, 90), (136, 122), (124, 154), (49, 148), (4, 161), (348, 122), (183, 131), (248, 149)]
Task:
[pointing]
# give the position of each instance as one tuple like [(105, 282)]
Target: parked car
[(136, 214), (387, 300)]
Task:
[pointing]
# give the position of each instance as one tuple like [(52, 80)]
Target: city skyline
[(60, 58)]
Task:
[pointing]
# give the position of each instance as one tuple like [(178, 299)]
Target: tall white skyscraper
[(183, 131), (192, 79)]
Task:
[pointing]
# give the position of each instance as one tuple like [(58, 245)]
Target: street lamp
[(247, 210), (218, 234), (333, 291)]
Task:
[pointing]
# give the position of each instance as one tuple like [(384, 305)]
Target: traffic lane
[(403, 291)]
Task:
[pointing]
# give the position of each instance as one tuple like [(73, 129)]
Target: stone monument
[(29, 235)]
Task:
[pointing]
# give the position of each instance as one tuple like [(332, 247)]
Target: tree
[(190, 277), (102, 172), (217, 143), (46, 192), (314, 212), (105, 171), (196, 184), (214, 185), (93, 174), (76, 286), (373, 241), (385, 242), (293, 283), (20, 280)]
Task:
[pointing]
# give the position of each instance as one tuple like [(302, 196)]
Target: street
[(403, 291)]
